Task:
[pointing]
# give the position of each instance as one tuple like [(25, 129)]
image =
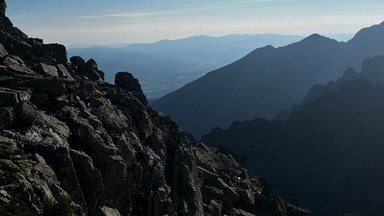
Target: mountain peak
[(6, 25), (369, 33), (316, 35), (373, 68), (315, 38), (3, 7)]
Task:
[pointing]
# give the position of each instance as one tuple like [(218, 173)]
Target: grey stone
[(87, 69), (17, 64), (211, 193), (77, 60), (209, 178), (25, 114), (90, 180), (7, 117), (63, 72), (49, 70), (106, 211), (240, 212), (56, 51), (163, 194), (127, 82), (4, 200), (39, 158), (8, 97), (247, 196), (229, 192), (49, 86), (4, 194), (216, 208), (3, 51), (93, 72)]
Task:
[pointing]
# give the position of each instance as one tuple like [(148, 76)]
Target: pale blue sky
[(132, 21)]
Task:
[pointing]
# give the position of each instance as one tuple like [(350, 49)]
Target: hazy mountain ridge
[(266, 80), (74, 145), (167, 65), (329, 153), (372, 70)]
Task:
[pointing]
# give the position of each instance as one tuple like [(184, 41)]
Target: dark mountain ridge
[(329, 152), (74, 145), (266, 80), (371, 70)]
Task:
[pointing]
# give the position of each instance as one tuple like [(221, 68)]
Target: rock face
[(127, 82), (71, 144)]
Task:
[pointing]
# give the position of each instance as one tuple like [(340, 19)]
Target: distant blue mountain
[(267, 80), (167, 65)]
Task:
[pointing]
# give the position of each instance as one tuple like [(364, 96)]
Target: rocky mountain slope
[(71, 144), (329, 152), (267, 80)]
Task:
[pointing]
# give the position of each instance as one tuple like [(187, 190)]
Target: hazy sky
[(131, 21)]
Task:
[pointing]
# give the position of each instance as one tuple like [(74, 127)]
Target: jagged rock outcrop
[(71, 144)]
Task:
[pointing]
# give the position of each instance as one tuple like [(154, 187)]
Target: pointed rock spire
[(3, 7)]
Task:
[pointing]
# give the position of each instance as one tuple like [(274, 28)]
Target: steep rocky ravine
[(71, 144)]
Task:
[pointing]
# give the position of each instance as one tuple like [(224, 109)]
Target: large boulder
[(106, 211), (93, 71), (56, 51), (87, 69), (127, 82), (49, 70)]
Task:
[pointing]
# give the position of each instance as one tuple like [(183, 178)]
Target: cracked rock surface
[(71, 144)]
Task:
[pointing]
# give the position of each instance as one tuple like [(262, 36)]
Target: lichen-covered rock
[(71, 144)]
